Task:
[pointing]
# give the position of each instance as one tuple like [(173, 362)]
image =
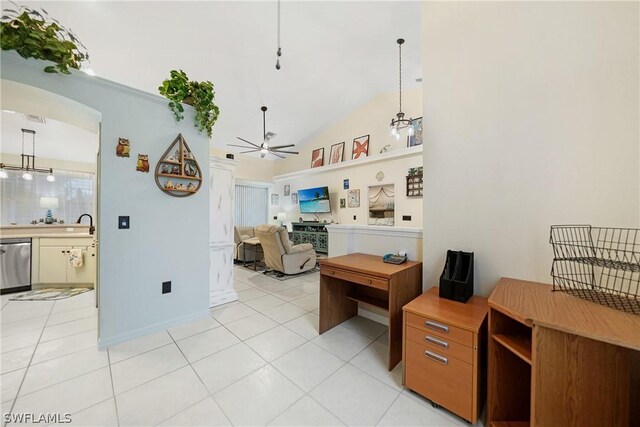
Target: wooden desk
[(349, 279), (557, 360)]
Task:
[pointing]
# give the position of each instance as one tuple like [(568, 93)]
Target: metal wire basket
[(598, 264)]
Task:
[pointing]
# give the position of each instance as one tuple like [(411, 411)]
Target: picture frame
[(287, 190), (360, 147), (353, 197), (294, 198), (337, 153), (343, 203), (345, 184), (275, 199), (416, 138), (317, 158)]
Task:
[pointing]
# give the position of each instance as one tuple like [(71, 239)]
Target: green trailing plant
[(179, 90), (34, 34)]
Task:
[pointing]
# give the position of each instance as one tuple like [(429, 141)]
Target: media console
[(311, 232)]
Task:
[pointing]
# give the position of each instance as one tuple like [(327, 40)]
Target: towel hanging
[(75, 258)]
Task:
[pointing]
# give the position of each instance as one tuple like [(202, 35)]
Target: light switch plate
[(123, 222)]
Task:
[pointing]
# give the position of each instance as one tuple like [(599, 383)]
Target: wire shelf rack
[(598, 264)]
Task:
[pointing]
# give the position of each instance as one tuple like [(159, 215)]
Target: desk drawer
[(440, 345), (363, 279), (446, 381), (440, 329)]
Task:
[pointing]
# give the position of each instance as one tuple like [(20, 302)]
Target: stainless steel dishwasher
[(15, 265)]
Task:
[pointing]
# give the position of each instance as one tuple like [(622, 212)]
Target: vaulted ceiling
[(336, 55)]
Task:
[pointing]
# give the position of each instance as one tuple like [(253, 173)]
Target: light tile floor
[(256, 361)]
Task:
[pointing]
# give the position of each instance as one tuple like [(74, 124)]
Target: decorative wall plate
[(178, 173), (380, 176)]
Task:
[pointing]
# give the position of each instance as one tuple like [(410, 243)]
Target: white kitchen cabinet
[(54, 264)]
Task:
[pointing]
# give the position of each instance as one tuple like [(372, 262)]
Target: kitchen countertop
[(44, 231), (45, 236)]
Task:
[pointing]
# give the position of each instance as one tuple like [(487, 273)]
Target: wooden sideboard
[(557, 360), (311, 232), (444, 352)]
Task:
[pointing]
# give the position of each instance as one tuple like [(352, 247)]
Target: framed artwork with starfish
[(360, 147)]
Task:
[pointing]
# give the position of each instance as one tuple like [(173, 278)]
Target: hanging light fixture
[(399, 122), (28, 162), (279, 52)]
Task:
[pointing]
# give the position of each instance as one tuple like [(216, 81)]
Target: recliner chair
[(282, 255)]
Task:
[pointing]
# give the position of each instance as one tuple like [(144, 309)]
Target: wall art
[(123, 147), (353, 197), (317, 158), (287, 190), (275, 199), (337, 152), (143, 163), (360, 147), (382, 205), (178, 173), (416, 138), (343, 203), (345, 184), (294, 199)]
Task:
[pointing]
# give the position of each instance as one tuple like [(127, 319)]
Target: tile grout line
[(113, 389), (26, 371), (390, 406)]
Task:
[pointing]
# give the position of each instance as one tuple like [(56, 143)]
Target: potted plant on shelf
[(34, 34), (200, 95)]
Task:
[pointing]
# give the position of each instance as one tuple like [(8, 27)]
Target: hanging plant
[(34, 34), (179, 90)]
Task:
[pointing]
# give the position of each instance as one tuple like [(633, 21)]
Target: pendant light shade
[(399, 123), (28, 165)]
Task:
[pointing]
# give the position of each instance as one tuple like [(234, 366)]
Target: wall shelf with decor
[(414, 185), (389, 155), (178, 164)]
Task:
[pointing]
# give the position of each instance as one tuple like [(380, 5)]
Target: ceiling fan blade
[(250, 151), (283, 146), (284, 151), (248, 142), (241, 146), (277, 155)]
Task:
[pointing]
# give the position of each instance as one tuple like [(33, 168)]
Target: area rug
[(50, 294), (281, 276)]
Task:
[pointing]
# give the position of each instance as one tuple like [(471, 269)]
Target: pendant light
[(28, 165), (279, 51), (399, 122)]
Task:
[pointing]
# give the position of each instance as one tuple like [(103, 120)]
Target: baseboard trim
[(104, 343)]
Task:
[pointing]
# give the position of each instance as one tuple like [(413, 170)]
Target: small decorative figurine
[(165, 169), (143, 163), (190, 169), (191, 187), (179, 186), (175, 170), (122, 149), (168, 185), (188, 155)]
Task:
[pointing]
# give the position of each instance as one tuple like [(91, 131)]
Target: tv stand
[(311, 232)]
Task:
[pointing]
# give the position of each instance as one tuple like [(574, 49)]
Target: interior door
[(53, 264)]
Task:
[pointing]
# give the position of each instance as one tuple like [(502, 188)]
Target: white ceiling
[(54, 139), (336, 55)]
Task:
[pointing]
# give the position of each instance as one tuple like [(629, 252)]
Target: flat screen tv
[(314, 200)]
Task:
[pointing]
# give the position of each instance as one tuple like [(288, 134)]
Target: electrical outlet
[(406, 217), (354, 217), (166, 287), (275, 217), (123, 222)]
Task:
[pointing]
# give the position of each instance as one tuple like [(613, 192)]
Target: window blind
[(251, 206)]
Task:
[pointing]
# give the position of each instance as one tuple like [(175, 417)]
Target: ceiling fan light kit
[(265, 148), (399, 123)]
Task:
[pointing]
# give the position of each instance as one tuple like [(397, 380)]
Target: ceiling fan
[(265, 148)]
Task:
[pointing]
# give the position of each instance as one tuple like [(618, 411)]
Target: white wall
[(532, 119), (168, 238), (372, 118), (249, 168)]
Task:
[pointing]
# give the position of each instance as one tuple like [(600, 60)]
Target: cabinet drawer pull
[(436, 341), (436, 326), (436, 357), (333, 272), (369, 281)]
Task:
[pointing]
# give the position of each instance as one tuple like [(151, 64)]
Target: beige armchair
[(280, 254), (239, 235)]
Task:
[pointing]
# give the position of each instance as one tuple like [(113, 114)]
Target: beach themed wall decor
[(336, 154), (360, 147), (317, 158), (353, 197), (287, 190), (294, 199), (178, 173)]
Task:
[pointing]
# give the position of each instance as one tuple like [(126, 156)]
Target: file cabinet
[(444, 352)]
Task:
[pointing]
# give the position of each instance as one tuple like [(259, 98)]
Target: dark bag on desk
[(456, 281)]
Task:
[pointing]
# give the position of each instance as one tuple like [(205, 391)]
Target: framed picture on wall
[(317, 158), (416, 138), (343, 203), (275, 199), (360, 147), (287, 190), (353, 197), (337, 152), (294, 199)]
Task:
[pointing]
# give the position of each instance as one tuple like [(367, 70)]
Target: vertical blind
[(251, 206), (20, 199)]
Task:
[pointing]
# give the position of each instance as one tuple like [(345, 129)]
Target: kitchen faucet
[(91, 227)]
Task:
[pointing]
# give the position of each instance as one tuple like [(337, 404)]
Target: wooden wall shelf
[(180, 156)]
